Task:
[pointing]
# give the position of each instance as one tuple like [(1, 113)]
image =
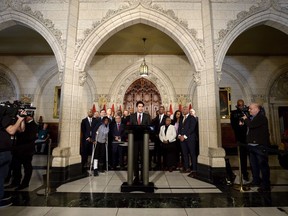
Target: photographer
[(9, 125), (22, 153), (240, 131)]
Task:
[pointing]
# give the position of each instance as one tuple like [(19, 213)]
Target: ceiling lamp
[(143, 67)]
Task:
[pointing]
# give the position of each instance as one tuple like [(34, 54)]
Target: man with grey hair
[(258, 141)]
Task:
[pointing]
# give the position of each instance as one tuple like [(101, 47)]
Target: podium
[(142, 132)]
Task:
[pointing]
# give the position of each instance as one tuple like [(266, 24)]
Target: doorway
[(142, 90)]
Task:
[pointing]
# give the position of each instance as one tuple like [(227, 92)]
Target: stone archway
[(142, 90)]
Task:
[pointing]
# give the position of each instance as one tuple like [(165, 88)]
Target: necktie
[(139, 119), (118, 127), (184, 119)]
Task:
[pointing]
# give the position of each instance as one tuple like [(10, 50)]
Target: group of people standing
[(175, 139)]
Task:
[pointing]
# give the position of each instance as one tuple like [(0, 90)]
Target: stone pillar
[(211, 162), (66, 164)]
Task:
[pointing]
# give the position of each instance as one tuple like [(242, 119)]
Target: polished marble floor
[(175, 194)]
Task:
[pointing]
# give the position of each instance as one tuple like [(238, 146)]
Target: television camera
[(16, 108)]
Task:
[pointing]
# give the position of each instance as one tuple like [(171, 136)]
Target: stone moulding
[(241, 16), (20, 5), (148, 5)]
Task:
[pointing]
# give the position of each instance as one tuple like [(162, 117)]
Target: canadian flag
[(94, 108), (170, 109)]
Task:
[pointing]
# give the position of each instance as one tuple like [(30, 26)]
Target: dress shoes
[(264, 190), (185, 170), (192, 174), (10, 186), (21, 187)]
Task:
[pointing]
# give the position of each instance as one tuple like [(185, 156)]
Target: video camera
[(15, 108), (241, 112)]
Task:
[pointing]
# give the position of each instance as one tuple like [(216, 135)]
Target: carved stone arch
[(156, 76), (10, 84), (240, 79), (92, 87), (192, 46), (268, 17), (12, 17)]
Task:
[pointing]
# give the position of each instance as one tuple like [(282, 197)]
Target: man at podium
[(138, 118)]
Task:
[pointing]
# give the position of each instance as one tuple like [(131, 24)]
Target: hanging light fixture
[(143, 67)]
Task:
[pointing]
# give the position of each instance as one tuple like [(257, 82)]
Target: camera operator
[(258, 142), (240, 131), (9, 125), (22, 153)]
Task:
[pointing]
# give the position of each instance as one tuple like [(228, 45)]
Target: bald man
[(258, 141)]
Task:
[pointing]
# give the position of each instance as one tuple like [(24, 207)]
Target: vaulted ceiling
[(260, 40)]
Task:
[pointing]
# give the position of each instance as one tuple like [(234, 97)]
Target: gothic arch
[(11, 17), (268, 17), (130, 74), (139, 14), (240, 79), (11, 78)]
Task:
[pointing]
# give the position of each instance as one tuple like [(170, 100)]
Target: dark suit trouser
[(189, 148), (26, 161), (100, 154), (86, 149), (259, 163), (169, 154)]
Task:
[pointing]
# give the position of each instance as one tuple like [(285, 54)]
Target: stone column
[(66, 162), (211, 160)]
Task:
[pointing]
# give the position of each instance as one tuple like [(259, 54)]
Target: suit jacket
[(170, 134), (156, 122), (120, 132), (258, 132), (188, 128), (87, 129), (145, 119)]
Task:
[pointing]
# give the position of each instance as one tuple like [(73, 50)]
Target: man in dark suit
[(258, 141), (188, 141), (240, 131), (138, 118), (88, 125), (118, 134), (158, 121)]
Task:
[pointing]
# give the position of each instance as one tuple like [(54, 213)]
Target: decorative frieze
[(279, 88), (21, 6), (146, 4)]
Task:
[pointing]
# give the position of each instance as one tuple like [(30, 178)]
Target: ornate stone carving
[(82, 77), (183, 100), (216, 152), (27, 98), (279, 88), (197, 77), (7, 89), (21, 6), (261, 6), (258, 98), (146, 4)]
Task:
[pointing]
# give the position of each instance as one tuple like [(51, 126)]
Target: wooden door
[(143, 90)]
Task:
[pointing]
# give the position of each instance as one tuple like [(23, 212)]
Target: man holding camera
[(23, 152), (9, 125), (240, 131)]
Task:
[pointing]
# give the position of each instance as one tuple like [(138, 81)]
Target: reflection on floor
[(175, 194)]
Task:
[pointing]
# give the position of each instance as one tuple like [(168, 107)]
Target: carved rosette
[(183, 100), (146, 4), (21, 6)]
